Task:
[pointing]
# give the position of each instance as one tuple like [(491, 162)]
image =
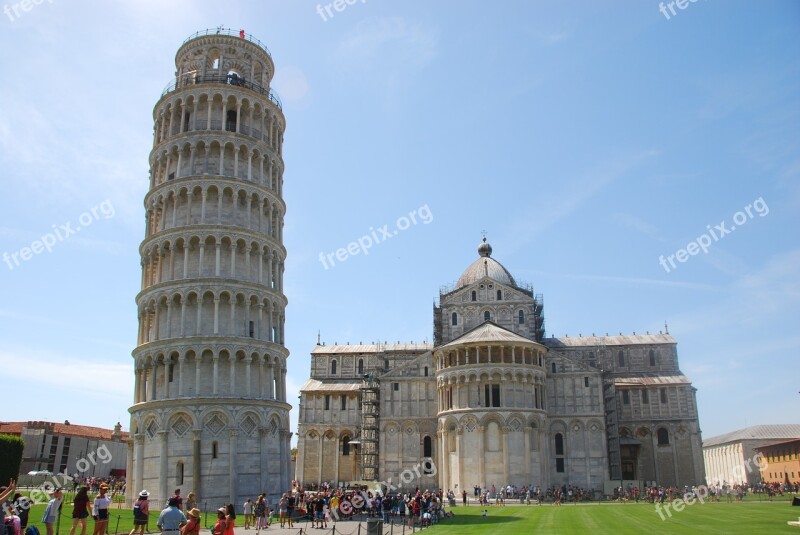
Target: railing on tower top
[(229, 32), (227, 79)]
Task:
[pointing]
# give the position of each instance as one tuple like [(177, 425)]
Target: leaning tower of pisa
[(210, 412)]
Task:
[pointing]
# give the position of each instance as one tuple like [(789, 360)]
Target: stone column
[(137, 385), (163, 466), (232, 360), (444, 448), (481, 456), (215, 358), (505, 430), (138, 449), (181, 360), (248, 359), (460, 455), (263, 444), (196, 477), (198, 361), (527, 445), (232, 465)]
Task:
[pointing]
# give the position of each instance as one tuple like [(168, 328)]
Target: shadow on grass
[(475, 520)]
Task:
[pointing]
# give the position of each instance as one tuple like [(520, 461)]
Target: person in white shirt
[(100, 511), (247, 508)]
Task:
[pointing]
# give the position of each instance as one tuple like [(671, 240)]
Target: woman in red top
[(192, 527), (80, 510), (219, 527), (230, 519)]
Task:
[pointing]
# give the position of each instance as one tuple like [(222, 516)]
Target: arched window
[(499, 295), (559, 444), (360, 366), (214, 450), (427, 454), (553, 367), (386, 364), (333, 367), (621, 358), (521, 317), (345, 446), (426, 371), (652, 358), (663, 437), (487, 316), (179, 473), (474, 295), (454, 319), (230, 121)]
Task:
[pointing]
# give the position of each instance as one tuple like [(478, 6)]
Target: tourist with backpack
[(141, 513)]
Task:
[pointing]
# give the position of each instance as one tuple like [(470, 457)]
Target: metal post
[(116, 530)]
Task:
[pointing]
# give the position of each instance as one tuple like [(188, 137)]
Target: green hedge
[(11, 447)]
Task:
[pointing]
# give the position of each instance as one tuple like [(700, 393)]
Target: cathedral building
[(493, 401), (209, 413)]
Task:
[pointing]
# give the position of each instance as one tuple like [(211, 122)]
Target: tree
[(11, 447)]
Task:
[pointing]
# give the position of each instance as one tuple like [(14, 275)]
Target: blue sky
[(588, 139)]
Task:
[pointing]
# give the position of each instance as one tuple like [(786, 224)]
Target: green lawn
[(749, 517)]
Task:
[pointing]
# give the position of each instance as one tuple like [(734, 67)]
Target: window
[(425, 371), (252, 329), (333, 367), (386, 364), (559, 444), (560, 465), (663, 395), (621, 359), (663, 437), (474, 295), (343, 403), (396, 387), (214, 450), (521, 317), (499, 295), (586, 381), (652, 358), (171, 372), (454, 319), (230, 123), (553, 367), (360, 366), (427, 450), (491, 395), (626, 397), (487, 316), (346, 446), (645, 397), (327, 402), (179, 473), (592, 361)]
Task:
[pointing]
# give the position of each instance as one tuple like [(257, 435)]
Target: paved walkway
[(343, 527)]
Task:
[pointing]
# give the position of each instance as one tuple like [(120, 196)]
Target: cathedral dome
[(485, 266)]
